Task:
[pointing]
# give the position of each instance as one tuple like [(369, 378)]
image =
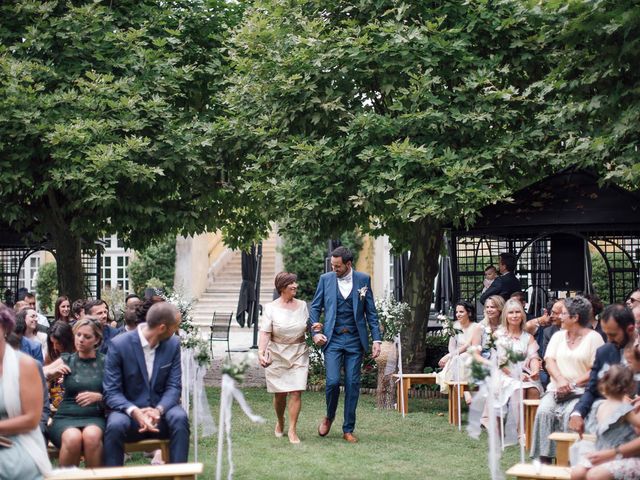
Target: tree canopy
[(107, 121), (395, 117)]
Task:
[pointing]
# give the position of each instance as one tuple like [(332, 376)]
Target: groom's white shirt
[(345, 284)]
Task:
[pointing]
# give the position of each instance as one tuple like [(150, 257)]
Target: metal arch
[(610, 270)]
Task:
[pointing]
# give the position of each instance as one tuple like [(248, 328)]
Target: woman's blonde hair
[(512, 302), (95, 325), (497, 300)]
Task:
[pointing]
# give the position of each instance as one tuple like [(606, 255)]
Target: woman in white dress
[(283, 353), (454, 363)]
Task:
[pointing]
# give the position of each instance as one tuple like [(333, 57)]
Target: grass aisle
[(422, 446)]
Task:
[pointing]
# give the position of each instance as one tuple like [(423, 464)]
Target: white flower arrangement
[(189, 332), (448, 326), (391, 316), (238, 370)]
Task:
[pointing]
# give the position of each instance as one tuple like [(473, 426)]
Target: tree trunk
[(68, 249), (69, 262), (421, 272)]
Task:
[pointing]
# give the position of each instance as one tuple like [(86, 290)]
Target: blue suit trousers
[(121, 428), (343, 351)]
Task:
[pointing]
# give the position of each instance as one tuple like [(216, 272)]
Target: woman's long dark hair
[(62, 332), (56, 310)]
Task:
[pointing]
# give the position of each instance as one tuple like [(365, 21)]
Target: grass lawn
[(422, 446)]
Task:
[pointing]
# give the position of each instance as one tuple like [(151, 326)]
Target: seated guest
[(28, 346), (62, 309), (454, 367), (493, 307), (79, 422), (616, 421), (32, 333), (20, 410), (14, 341), (142, 387), (99, 309), (60, 340), (618, 324), (569, 356), (77, 310), (516, 339), (597, 306)]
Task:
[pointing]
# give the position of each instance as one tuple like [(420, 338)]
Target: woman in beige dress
[(283, 353)]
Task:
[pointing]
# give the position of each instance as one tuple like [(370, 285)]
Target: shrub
[(47, 286), (154, 266)]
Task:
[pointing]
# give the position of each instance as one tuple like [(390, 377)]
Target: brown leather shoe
[(324, 427), (350, 437)]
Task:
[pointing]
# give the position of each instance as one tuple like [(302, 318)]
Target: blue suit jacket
[(126, 383), (364, 309), (607, 354), (504, 286)]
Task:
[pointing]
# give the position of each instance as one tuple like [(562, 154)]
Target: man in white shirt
[(346, 298)]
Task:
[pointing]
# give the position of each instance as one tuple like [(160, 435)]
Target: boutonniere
[(362, 292)]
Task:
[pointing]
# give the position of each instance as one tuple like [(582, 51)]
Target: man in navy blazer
[(142, 386), (346, 298), (506, 283), (618, 324)]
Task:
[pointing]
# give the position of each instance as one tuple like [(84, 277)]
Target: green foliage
[(154, 266), (304, 255), (592, 88), (108, 118), (47, 286)]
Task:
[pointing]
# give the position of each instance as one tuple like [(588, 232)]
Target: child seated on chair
[(615, 418)]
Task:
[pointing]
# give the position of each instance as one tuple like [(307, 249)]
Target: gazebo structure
[(569, 234), (15, 248)]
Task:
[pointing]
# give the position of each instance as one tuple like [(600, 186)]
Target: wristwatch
[(619, 455), (160, 409)]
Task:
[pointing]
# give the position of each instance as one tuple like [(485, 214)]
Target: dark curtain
[(247, 288)]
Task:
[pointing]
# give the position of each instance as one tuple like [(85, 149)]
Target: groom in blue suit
[(142, 385), (346, 298)]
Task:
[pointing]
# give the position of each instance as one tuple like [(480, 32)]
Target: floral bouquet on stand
[(392, 315)]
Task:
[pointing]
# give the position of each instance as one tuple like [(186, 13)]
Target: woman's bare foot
[(293, 437), (278, 432)]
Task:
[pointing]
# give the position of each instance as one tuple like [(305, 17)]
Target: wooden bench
[(530, 409), (148, 445), (564, 440), (455, 395), (528, 471), (174, 471), (409, 379)]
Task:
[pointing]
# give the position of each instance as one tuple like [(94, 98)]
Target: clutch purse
[(565, 397)]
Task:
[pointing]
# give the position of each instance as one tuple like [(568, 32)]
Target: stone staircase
[(221, 296)]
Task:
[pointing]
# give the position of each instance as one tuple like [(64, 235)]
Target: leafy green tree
[(106, 121), (154, 266), (592, 89), (47, 286), (398, 118)]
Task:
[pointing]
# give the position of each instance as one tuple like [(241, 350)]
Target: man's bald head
[(162, 313)]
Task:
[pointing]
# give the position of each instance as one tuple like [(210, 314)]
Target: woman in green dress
[(79, 422)]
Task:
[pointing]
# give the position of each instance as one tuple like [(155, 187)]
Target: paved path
[(239, 339)]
